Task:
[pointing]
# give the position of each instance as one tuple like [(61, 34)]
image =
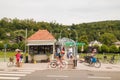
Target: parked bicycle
[(56, 64), (111, 60), (91, 61)]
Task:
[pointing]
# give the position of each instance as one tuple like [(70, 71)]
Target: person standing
[(70, 52), (18, 54), (21, 59), (62, 53)]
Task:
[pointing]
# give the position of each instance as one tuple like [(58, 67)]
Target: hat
[(17, 50)]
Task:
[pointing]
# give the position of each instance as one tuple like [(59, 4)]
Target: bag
[(93, 60)]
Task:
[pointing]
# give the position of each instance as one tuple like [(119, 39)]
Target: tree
[(104, 48), (114, 49), (14, 46), (108, 38), (1, 46)]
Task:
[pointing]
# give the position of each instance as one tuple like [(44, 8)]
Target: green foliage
[(108, 38), (104, 48), (1, 46), (114, 49), (106, 32), (14, 46)]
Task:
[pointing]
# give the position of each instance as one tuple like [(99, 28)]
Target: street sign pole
[(5, 46)]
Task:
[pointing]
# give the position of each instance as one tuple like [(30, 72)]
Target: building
[(93, 43), (41, 43), (93, 46), (117, 44)]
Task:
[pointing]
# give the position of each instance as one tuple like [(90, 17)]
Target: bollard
[(34, 61), (75, 63), (70, 64)]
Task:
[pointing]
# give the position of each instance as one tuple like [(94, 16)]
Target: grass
[(100, 56), (7, 54)]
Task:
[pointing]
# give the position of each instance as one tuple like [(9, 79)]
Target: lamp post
[(5, 46), (60, 34), (76, 48), (76, 51)]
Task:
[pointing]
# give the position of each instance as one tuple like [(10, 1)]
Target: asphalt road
[(71, 75)]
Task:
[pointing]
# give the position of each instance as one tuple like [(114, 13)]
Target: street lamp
[(75, 41), (76, 51), (76, 47)]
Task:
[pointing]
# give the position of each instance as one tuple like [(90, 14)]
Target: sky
[(64, 12)]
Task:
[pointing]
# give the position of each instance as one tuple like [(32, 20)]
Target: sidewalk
[(104, 67), (80, 66)]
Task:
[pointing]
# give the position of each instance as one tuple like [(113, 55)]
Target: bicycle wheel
[(9, 64), (97, 64), (64, 64), (53, 64)]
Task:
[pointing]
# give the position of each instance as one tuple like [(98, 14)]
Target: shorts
[(17, 60), (21, 60)]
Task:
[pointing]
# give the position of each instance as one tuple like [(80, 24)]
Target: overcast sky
[(61, 11)]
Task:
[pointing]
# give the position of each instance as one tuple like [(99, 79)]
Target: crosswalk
[(15, 74)]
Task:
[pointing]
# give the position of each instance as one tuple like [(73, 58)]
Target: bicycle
[(91, 61), (56, 64), (111, 60)]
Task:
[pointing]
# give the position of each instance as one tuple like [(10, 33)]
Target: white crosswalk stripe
[(15, 75)]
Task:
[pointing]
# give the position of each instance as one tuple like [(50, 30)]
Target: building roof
[(117, 43), (92, 43), (42, 35)]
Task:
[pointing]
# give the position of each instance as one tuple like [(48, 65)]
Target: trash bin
[(70, 64), (75, 63)]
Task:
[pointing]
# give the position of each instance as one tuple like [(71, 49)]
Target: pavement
[(104, 67), (43, 66)]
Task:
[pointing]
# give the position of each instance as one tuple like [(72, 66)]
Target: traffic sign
[(73, 44), (5, 45)]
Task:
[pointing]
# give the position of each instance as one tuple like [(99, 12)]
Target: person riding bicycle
[(91, 57), (60, 55)]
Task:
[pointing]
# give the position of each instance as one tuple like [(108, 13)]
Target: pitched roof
[(41, 35)]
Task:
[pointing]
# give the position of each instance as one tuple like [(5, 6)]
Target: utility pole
[(76, 52), (5, 46), (25, 39)]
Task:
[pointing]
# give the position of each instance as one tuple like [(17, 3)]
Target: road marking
[(20, 72), (97, 77), (57, 76), (16, 72), (12, 74), (10, 78), (26, 70)]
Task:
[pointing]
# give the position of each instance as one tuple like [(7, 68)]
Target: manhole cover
[(1, 69), (91, 74)]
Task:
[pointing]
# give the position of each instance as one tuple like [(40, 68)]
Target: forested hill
[(106, 32)]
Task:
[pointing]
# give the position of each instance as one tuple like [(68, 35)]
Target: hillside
[(107, 32)]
